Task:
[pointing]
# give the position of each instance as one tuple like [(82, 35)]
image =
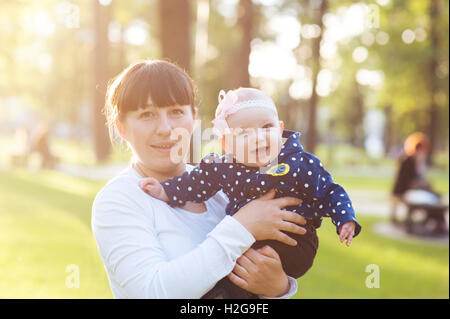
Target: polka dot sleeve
[(197, 185), (327, 198)]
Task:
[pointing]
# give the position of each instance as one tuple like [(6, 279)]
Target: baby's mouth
[(262, 151)]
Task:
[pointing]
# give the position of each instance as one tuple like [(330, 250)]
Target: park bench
[(432, 211), (23, 159), (18, 159)]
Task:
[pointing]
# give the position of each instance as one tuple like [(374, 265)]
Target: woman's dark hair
[(165, 83)]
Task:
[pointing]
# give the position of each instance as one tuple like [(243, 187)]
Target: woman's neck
[(145, 171)]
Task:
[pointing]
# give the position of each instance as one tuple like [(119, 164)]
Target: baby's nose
[(261, 139)]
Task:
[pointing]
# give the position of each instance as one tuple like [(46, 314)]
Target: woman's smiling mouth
[(163, 147)]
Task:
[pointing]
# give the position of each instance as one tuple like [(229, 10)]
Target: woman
[(411, 184), (151, 250), (412, 168)]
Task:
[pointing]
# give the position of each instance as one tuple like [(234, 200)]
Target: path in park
[(365, 202), (92, 172)]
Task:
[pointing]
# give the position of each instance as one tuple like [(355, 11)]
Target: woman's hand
[(265, 219), (260, 272)]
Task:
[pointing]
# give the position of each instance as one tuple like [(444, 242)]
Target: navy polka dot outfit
[(297, 173)]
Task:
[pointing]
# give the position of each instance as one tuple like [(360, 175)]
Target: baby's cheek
[(240, 150), (275, 145)]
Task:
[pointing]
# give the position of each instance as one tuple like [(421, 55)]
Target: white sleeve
[(132, 253), (293, 287)]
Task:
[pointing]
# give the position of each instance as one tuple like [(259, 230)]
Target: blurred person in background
[(19, 155), (411, 185), (40, 143)]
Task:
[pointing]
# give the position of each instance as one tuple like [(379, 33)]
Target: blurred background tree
[(366, 73), (355, 77)]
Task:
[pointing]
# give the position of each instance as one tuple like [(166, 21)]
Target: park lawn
[(406, 269), (371, 181), (45, 228)]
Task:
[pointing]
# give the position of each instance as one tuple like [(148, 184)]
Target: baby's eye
[(247, 132), (269, 125)]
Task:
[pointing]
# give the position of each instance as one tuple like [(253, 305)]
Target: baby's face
[(255, 138)]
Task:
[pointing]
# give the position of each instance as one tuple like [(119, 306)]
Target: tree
[(238, 70), (415, 64), (433, 127), (100, 64), (175, 31), (311, 138)]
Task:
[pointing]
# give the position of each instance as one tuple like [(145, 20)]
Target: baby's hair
[(246, 94)]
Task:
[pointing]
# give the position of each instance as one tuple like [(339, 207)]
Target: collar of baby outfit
[(291, 145)]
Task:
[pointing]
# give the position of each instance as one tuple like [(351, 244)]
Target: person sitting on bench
[(411, 176)]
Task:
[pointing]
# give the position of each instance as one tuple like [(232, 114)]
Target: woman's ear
[(281, 127)]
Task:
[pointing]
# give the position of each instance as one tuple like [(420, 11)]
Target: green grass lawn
[(406, 270), (45, 227)]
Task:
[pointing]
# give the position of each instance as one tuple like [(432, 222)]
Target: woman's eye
[(177, 112), (145, 115)]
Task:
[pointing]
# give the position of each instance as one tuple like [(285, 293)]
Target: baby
[(256, 161)]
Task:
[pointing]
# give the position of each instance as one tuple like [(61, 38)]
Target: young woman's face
[(148, 132), (256, 137)]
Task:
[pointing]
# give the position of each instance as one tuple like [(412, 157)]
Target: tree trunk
[(100, 65), (388, 130), (238, 75), (201, 34), (311, 139), (175, 32), (357, 117), (434, 121)]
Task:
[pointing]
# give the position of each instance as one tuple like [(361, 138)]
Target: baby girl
[(255, 161)]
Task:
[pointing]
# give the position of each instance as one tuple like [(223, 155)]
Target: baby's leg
[(296, 260)]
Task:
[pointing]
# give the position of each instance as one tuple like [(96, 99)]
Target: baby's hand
[(154, 188), (347, 231)]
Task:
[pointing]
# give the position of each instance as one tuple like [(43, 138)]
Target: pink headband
[(228, 105)]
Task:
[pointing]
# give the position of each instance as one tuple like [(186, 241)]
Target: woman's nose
[(163, 126)]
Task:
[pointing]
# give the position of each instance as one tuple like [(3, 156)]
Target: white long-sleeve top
[(151, 250)]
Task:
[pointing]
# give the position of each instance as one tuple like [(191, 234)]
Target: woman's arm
[(135, 259)]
